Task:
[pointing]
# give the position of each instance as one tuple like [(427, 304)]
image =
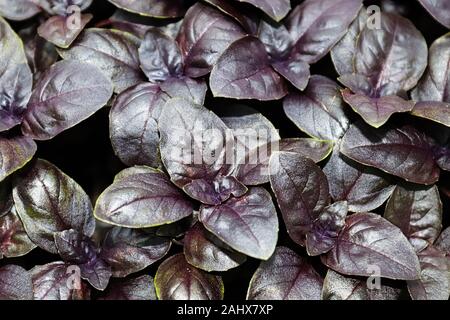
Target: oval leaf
[(178, 280), (440, 10), (141, 200), (319, 111), (140, 288), (403, 152), (153, 8), (48, 201), (370, 240), (301, 189), (15, 283), (130, 250), (114, 52), (417, 211), (243, 71), (435, 111), (15, 152), (286, 276), (68, 93), (18, 9), (276, 9), (204, 35)]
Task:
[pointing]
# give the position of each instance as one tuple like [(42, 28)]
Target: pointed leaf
[(317, 25), (370, 240), (295, 70), (376, 111), (364, 188), (286, 276), (130, 250), (243, 71), (248, 224), (319, 111), (160, 56), (417, 211), (178, 280), (435, 111), (204, 35), (68, 93), (301, 189), (16, 79), (141, 200), (195, 151), (205, 251), (403, 152), (48, 201), (114, 52), (15, 153)]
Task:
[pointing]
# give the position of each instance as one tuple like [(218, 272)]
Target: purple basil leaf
[(376, 111), (436, 111), (160, 56), (317, 25), (252, 132), (275, 38), (435, 84), (49, 201), (6, 200), (434, 282), (61, 30), (276, 9), (440, 10), (131, 250), (403, 152), (417, 211), (18, 10), (246, 19), (58, 281), (370, 240), (256, 170), (74, 247), (68, 93), (301, 189), (177, 229), (339, 287), (194, 148), (14, 241), (176, 279), (244, 71), (153, 8), (319, 111), (295, 70), (364, 188), (252, 219), (205, 251), (343, 52), (16, 79), (133, 124), (114, 52), (392, 63), (286, 276), (141, 197), (324, 233), (15, 153), (204, 35), (15, 283), (140, 288)]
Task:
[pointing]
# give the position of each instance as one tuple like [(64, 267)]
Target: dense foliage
[(224, 149)]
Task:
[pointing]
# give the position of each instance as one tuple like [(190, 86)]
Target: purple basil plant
[(250, 149)]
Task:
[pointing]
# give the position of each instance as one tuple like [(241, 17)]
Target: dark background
[(85, 153)]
